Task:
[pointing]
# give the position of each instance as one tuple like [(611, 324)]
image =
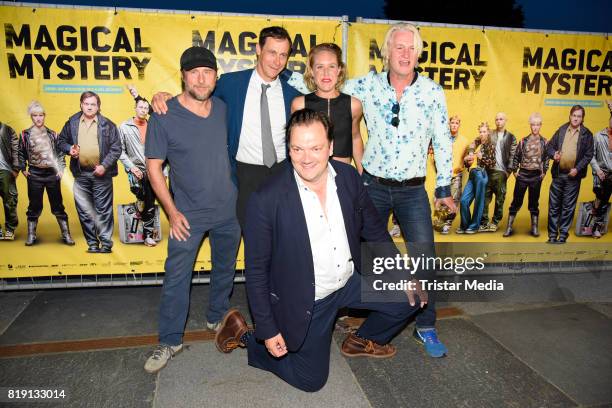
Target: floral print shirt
[(400, 153)]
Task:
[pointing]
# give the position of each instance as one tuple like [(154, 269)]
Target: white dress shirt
[(249, 147), (331, 254)]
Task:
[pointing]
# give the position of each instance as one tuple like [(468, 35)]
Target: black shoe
[(105, 250), (561, 240), (551, 241), (93, 249)]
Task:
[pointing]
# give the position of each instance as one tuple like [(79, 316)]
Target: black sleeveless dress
[(339, 111)]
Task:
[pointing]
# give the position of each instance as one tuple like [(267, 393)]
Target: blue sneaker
[(429, 338)]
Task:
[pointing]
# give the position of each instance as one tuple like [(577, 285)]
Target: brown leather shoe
[(355, 346), (228, 334)]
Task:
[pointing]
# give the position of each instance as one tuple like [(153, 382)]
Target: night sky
[(569, 15)]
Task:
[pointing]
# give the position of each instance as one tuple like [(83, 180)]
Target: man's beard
[(201, 98)]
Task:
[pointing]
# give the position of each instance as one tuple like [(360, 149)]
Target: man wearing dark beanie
[(192, 137)]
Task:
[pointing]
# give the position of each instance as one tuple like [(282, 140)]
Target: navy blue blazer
[(232, 89), (278, 257)]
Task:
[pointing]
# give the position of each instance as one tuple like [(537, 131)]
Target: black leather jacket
[(108, 142), (584, 154)]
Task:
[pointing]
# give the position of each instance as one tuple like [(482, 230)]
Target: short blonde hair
[(417, 42), (535, 116), (454, 117), (334, 49), (35, 107), (502, 114), (486, 125)]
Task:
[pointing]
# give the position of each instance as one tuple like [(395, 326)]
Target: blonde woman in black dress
[(325, 75)]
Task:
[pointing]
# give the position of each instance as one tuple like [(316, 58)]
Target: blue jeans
[(174, 305), (93, 198), (410, 205), (474, 191)]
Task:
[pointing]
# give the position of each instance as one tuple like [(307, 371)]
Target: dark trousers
[(308, 368), (410, 204), (496, 185), (8, 193), (527, 180), (562, 204), (174, 306), (144, 192), (250, 176), (602, 194), (93, 197), (39, 180)]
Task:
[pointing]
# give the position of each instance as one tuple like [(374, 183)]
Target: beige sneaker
[(9, 235), (150, 242), (160, 357), (488, 227)]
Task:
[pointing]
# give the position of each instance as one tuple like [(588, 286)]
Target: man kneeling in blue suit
[(302, 249)]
